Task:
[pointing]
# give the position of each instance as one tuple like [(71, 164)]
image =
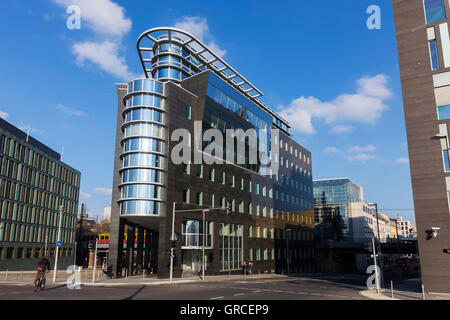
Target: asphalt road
[(292, 288)]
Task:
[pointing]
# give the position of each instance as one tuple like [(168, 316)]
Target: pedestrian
[(244, 268), (250, 268)]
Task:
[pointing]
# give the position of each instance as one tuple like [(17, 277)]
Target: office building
[(34, 183), (423, 41), (345, 225), (255, 213)]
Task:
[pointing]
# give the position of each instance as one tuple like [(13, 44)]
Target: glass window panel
[(434, 10), (444, 112)]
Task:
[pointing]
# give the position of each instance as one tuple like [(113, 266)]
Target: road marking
[(215, 298), (290, 292), (315, 294), (277, 291), (301, 292), (239, 294), (257, 291)]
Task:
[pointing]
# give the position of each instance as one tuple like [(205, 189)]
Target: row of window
[(265, 233), (144, 175), (255, 254), (144, 160), (25, 155), (146, 130), (293, 151), (148, 85), (17, 232), (9, 253), (34, 180), (264, 191), (145, 145), (23, 213), (144, 115), (147, 100), (143, 191), (140, 207), (17, 192)]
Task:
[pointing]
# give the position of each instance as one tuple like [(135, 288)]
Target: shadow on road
[(134, 294)]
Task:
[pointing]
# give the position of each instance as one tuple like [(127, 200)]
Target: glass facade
[(230, 247), (332, 200), (33, 185), (143, 187)]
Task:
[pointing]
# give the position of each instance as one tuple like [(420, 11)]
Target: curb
[(161, 282), (375, 296)]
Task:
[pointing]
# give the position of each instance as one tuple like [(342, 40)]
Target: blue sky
[(336, 81)]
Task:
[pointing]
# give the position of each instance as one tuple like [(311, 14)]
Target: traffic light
[(447, 250), (229, 208)]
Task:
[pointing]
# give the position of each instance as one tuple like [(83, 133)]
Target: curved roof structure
[(207, 58)]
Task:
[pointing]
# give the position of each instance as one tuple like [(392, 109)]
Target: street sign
[(58, 243)]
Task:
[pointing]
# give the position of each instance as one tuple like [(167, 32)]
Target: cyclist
[(43, 265)]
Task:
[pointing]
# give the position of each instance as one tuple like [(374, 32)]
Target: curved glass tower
[(144, 154)]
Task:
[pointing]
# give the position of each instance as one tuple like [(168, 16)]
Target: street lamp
[(379, 240), (173, 238), (203, 247), (288, 258), (58, 241)]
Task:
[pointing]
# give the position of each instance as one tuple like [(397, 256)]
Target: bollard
[(392, 290), (126, 273), (423, 292), (6, 277), (229, 274)]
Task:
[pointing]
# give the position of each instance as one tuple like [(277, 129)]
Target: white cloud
[(103, 191), (363, 157), (104, 17), (108, 22), (198, 26), (85, 194), (332, 150), (105, 55), (3, 115), (367, 148), (402, 160), (69, 111), (364, 106), (339, 129)]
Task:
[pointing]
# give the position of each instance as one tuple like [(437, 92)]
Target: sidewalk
[(405, 290), (26, 278)]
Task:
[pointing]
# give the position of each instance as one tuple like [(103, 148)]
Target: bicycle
[(39, 281)]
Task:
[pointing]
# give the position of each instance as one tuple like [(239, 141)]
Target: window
[(443, 112), (211, 175), (199, 171), (186, 195), (446, 161), (199, 198), (186, 168), (187, 112), (434, 10)]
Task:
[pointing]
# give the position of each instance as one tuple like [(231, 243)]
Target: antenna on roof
[(28, 132)]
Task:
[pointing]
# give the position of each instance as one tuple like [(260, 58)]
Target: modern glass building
[(423, 41), (255, 212), (332, 199), (34, 183)]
